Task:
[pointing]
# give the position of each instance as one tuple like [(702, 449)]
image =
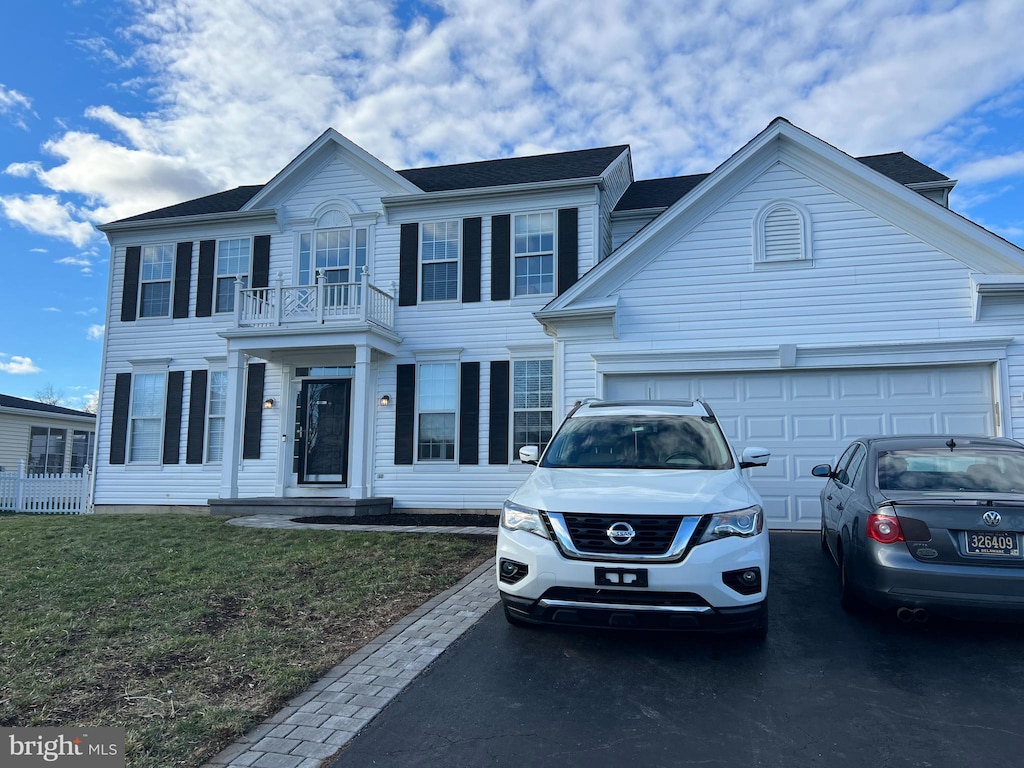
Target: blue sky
[(113, 107)]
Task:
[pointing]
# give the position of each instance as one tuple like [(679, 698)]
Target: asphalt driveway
[(825, 689)]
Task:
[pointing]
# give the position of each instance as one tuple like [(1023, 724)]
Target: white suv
[(638, 515)]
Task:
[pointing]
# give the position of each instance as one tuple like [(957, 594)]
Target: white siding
[(16, 432)]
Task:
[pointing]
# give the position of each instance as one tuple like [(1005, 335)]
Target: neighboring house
[(48, 438), (349, 332)]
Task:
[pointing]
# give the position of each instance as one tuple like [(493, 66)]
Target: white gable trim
[(361, 160)]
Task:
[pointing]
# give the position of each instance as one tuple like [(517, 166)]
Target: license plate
[(620, 577), (992, 544)]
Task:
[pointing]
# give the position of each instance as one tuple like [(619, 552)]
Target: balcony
[(322, 304)]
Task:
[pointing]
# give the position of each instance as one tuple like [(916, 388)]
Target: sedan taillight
[(884, 529)]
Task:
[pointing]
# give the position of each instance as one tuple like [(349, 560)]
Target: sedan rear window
[(986, 471), (640, 442)]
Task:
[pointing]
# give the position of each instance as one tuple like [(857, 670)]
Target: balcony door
[(322, 430)]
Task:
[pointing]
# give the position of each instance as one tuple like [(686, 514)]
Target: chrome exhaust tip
[(905, 614)]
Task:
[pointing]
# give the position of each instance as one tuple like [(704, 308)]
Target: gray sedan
[(928, 524)]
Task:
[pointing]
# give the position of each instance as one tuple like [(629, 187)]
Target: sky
[(109, 108)]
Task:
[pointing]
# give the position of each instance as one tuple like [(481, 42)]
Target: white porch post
[(233, 425), (363, 413)]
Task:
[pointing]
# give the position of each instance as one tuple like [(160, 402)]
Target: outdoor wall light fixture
[(268, 403), (385, 400)]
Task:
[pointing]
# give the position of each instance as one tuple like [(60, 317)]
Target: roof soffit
[(906, 209), (326, 148)]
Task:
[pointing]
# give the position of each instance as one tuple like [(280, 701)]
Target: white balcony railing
[(323, 303)]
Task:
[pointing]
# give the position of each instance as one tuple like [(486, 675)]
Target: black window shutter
[(172, 416), (568, 249), (408, 265), (405, 413), (204, 291), (119, 421), (253, 428), (469, 413), (196, 418), (182, 278), (501, 265), (497, 445), (130, 292), (260, 261), (471, 250)]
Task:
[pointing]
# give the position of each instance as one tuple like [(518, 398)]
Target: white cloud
[(239, 87), (95, 332), (50, 309), (87, 312), (47, 215), (84, 263), (18, 365), (991, 168), (14, 105)]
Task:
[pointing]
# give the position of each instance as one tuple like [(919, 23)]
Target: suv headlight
[(742, 522), (516, 517)]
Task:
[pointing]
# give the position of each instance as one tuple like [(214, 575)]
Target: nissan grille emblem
[(991, 519), (620, 533)]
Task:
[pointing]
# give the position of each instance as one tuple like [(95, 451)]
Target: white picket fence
[(46, 494)]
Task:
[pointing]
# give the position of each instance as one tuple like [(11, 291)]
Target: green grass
[(187, 631)]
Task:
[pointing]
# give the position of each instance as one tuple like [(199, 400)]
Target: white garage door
[(808, 417)]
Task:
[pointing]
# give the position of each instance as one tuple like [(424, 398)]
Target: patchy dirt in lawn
[(406, 518)]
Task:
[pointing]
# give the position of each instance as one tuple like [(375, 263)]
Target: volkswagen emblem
[(991, 518), (620, 533)]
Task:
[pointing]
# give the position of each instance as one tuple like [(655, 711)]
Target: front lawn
[(187, 631)]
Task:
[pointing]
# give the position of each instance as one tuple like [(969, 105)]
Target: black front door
[(321, 431)]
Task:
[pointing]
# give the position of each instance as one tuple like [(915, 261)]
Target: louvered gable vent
[(781, 234)]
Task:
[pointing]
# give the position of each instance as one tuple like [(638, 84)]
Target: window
[(534, 250), (146, 417), (232, 264), (439, 252), (216, 411), (437, 396), (46, 450), (340, 254), (157, 268), (531, 403), (82, 442)]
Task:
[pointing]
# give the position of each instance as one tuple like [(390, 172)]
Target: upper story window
[(46, 450), (146, 417), (782, 233), (232, 264), (534, 253), (156, 271), (335, 249), (439, 254)]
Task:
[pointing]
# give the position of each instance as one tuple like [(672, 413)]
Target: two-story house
[(348, 334)]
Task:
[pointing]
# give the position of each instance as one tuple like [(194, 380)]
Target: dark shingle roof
[(581, 164), (8, 401), (219, 202), (661, 193)]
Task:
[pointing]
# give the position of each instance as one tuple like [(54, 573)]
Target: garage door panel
[(807, 418)]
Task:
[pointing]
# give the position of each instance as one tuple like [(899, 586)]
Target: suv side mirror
[(754, 457), (529, 454), (822, 470)]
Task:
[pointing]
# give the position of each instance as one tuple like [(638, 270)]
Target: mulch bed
[(405, 518)]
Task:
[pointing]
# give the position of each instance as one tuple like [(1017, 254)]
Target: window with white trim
[(232, 264), (436, 404), (82, 443), (339, 253), (216, 413), (156, 272), (439, 260), (46, 450), (532, 398), (533, 249), (146, 417)]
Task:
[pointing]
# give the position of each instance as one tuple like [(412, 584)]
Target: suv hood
[(636, 491)]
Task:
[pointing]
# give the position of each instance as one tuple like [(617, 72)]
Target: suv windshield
[(640, 442)]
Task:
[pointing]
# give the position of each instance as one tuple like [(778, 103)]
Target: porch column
[(232, 425), (363, 411)]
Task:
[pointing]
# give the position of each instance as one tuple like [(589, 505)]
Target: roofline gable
[(934, 224), (373, 168)]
